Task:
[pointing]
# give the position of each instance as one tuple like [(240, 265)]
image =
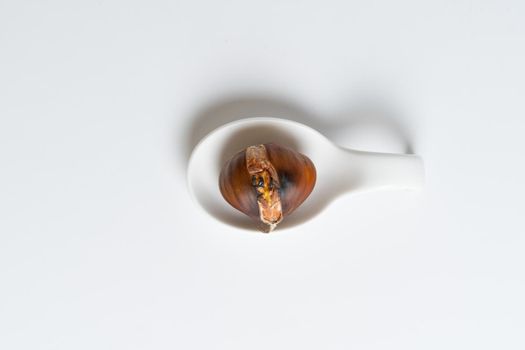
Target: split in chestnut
[(267, 182)]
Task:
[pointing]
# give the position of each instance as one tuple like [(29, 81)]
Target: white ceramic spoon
[(339, 170)]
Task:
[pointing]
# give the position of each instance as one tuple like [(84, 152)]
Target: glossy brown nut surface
[(267, 182)]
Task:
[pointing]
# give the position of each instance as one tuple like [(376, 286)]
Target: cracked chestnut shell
[(267, 182)]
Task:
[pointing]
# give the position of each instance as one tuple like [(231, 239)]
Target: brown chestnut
[(267, 182)]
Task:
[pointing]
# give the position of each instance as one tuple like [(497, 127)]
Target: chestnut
[(267, 182)]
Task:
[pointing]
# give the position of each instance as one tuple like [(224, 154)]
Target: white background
[(101, 246)]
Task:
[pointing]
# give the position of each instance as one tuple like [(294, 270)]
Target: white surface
[(101, 247)]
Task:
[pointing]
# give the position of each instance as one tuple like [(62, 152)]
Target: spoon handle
[(375, 171)]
